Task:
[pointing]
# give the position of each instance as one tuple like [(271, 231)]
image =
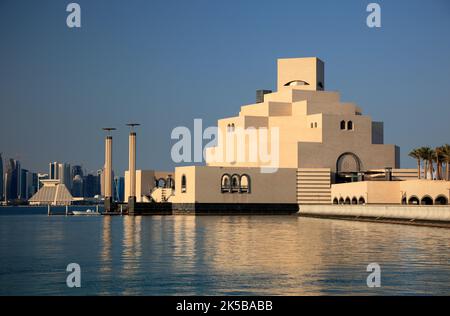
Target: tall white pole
[(132, 163), (108, 166)]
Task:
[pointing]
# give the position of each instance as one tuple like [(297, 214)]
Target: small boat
[(88, 212)]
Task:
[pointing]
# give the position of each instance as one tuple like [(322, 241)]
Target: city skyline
[(18, 184), (167, 56)]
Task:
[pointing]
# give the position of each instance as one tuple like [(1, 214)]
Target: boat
[(88, 212)]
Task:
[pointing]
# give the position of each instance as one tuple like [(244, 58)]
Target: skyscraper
[(91, 185), (53, 170), (1, 179), (77, 181), (33, 184), (12, 180), (77, 170), (62, 172), (77, 186), (64, 175), (119, 188), (23, 192)]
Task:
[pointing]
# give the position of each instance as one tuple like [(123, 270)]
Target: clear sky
[(164, 63)]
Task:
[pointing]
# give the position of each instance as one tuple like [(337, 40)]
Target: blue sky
[(164, 63)]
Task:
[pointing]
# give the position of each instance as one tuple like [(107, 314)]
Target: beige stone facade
[(320, 140), (145, 182), (316, 129), (412, 192), (321, 150), (205, 184)]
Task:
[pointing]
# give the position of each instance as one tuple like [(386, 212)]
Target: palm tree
[(446, 154), (427, 155), (439, 158), (415, 153)]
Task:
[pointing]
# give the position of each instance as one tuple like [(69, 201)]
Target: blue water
[(217, 255)]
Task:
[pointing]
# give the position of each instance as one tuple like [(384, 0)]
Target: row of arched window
[(425, 200), (347, 125), (235, 183), (349, 200), (413, 200)]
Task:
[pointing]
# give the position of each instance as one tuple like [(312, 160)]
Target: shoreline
[(435, 224), (418, 215)]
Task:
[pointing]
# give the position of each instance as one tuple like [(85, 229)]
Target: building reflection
[(106, 246), (131, 251), (272, 255), (184, 239)]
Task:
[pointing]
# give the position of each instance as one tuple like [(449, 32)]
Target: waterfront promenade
[(435, 215)]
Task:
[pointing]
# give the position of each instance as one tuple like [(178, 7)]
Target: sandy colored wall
[(145, 182), (426, 213), (421, 188), (204, 185)]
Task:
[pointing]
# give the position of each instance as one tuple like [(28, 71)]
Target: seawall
[(399, 214)]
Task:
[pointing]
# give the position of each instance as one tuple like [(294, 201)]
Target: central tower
[(304, 73)]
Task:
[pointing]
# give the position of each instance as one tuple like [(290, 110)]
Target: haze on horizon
[(164, 63)]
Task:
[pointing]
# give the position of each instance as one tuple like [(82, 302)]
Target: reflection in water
[(184, 251), (106, 246), (185, 255), (131, 251)]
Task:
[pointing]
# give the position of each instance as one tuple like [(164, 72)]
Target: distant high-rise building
[(23, 193), (119, 188), (28, 184), (91, 185), (53, 170), (77, 186), (62, 172), (77, 171), (2, 189), (64, 175), (77, 181), (12, 178), (34, 184)]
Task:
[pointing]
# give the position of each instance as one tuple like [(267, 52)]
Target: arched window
[(362, 200), (312, 125), (426, 200), (296, 83), (350, 125), (315, 124), (232, 127), (404, 202), (441, 200), (342, 124), (226, 183), (245, 184), (413, 200), (354, 200), (348, 163), (341, 201), (183, 183), (335, 201), (235, 183), (347, 200)]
